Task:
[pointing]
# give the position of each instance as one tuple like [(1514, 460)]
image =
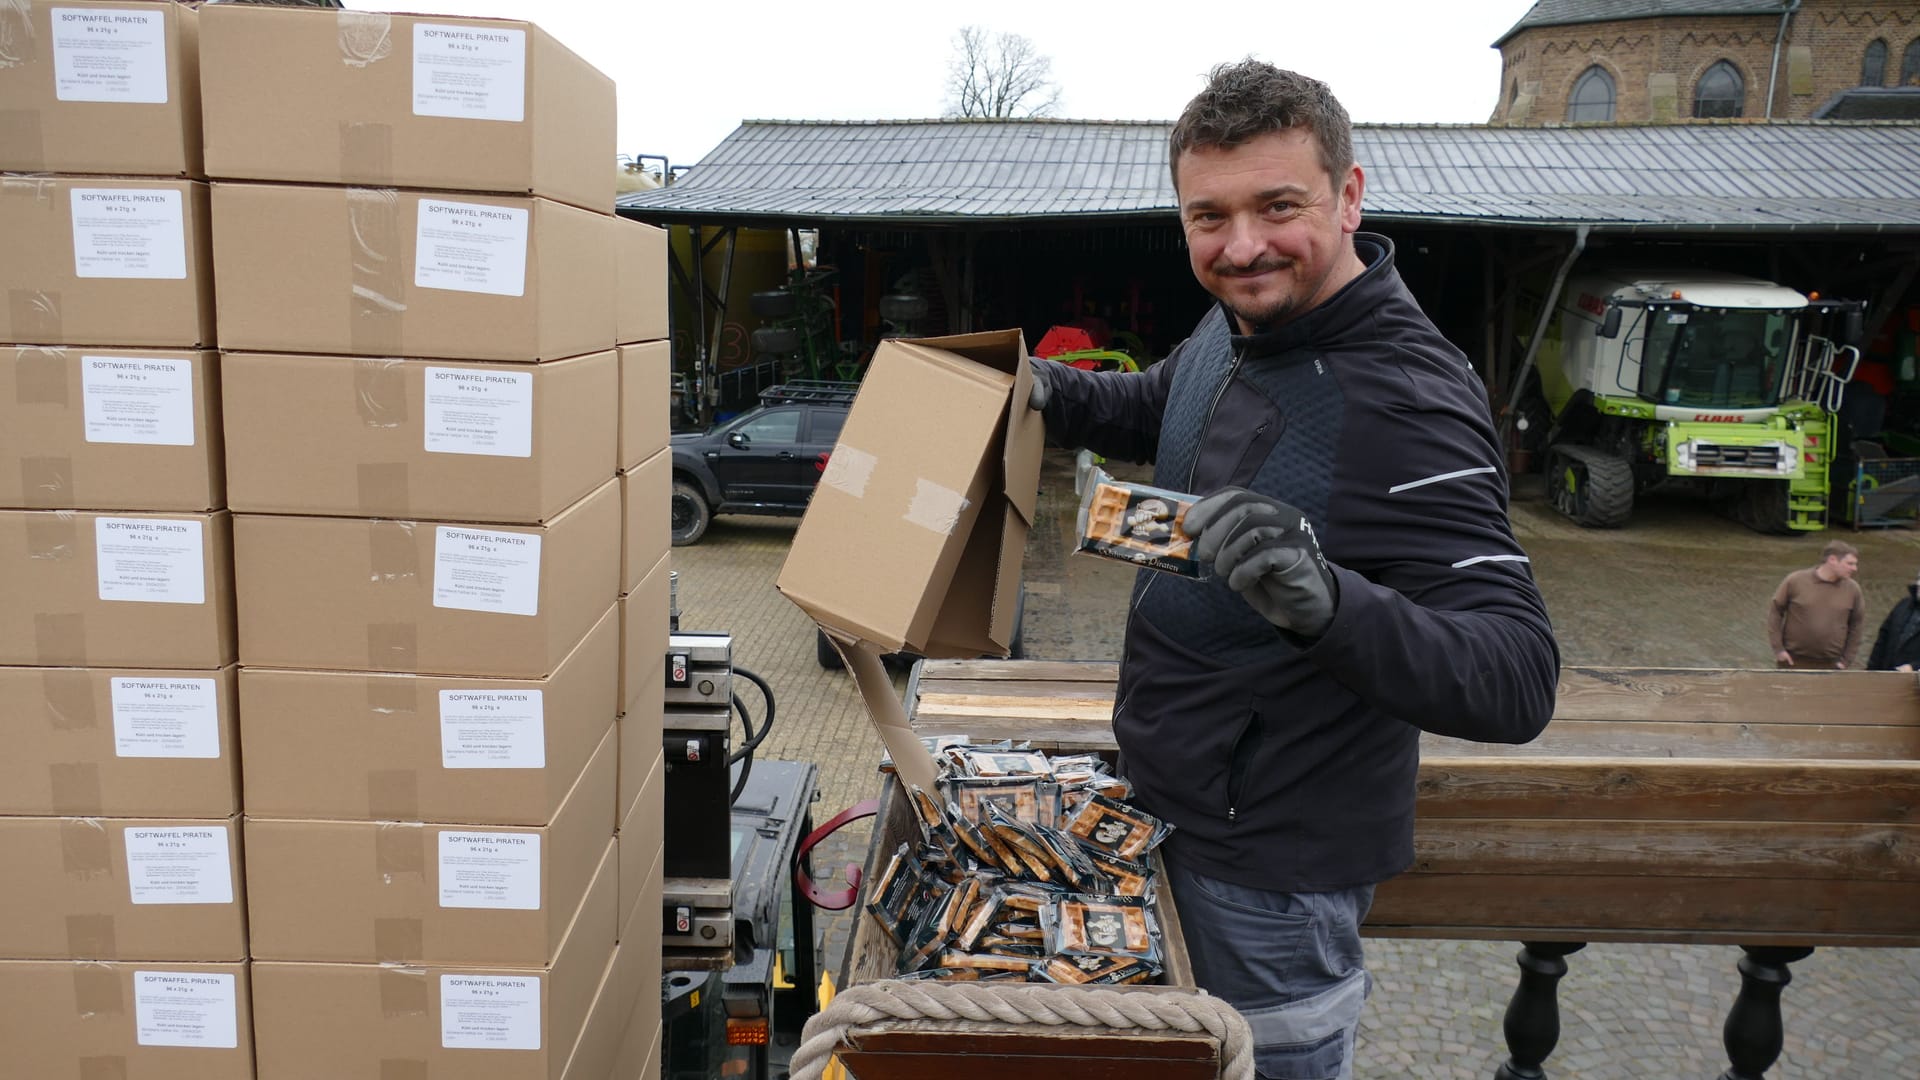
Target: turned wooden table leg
[(1533, 1016), (1754, 1034)]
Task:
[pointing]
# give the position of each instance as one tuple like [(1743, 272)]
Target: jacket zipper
[(1212, 407)]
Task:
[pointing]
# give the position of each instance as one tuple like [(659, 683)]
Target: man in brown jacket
[(1817, 615)]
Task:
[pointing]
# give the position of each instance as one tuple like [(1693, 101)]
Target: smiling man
[(1365, 581)]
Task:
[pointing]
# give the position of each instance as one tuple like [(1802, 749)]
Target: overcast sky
[(690, 70)]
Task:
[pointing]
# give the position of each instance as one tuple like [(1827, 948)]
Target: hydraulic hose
[(744, 756)]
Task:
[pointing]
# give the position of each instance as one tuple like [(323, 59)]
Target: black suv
[(764, 461)]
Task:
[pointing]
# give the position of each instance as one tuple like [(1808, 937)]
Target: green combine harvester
[(1726, 383)]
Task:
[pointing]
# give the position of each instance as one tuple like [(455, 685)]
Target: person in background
[(1366, 584), (1817, 615), (1897, 648)]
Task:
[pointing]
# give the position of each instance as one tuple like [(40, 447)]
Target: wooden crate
[(929, 1050), (1661, 805)]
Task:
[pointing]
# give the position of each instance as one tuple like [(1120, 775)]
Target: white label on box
[(110, 54), (132, 400), (479, 412), (493, 729), (150, 560), (186, 1008), (490, 870), (469, 72), (187, 865), (128, 233), (166, 718), (489, 1012), (471, 247), (483, 570)]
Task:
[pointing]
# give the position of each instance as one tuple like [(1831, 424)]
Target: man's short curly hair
[(1249, 99)]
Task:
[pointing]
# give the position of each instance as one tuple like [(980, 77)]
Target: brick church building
[(1663, 61)]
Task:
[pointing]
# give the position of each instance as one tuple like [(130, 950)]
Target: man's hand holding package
[(1265, 550), (1037, 397)]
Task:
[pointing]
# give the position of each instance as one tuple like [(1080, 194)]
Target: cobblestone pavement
[(1678, 588)]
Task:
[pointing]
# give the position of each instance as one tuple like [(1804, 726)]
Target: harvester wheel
[(1762, 506), (1593, 488)]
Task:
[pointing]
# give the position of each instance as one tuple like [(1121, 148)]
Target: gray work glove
[(1265, 550), (1037, 398)]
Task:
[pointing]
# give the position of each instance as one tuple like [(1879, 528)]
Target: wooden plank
[(1669, 788), (1019, 689), (1100, 671), (1637, 936), (1636, 739), (893, 1051), (1012, 706), (1746, 697), (1827, 851), (1645, 908), (1061, 734)]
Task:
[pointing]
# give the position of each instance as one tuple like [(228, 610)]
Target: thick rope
[(1016, 1003)]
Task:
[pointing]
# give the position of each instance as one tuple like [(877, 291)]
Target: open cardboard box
[(914, 537)]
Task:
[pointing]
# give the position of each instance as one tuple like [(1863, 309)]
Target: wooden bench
[(1774, 810)]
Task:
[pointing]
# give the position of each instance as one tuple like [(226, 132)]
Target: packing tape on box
[(16, 29), (34, 315), (403, 1069), (383, 488), (399, 941), (60, 638), (40, 376), (53, 536), (98, 990), (46, 482), (20, 128), (377, 295), (392, 696), (69, 697), (366, 151), (92, 937), (380, 392), (398, 848), (85, 848), (106, 1067), (934, 507), (848, 470), (393, 795), (392, 554), (75, 788), (404, 990), (366, 37)]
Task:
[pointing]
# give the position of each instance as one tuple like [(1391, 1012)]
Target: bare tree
[(999, 75)]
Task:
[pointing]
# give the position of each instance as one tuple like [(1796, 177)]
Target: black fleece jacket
[(1284, 763)]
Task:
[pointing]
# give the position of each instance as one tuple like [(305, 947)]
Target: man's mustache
[(1263, 265)]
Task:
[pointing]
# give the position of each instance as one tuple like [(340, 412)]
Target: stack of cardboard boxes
[(417, 281), (123, 939), (646, 490)]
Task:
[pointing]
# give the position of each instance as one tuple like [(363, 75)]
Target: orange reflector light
[(1813, 296), (747, 1032), (1676, 294)]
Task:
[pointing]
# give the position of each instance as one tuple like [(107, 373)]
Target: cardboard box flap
[(982, 605), (1006, 350)]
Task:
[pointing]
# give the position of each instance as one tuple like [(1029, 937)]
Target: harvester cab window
[(1719, 358)]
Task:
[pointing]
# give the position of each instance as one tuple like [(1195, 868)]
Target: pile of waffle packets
[(1027, 868)]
